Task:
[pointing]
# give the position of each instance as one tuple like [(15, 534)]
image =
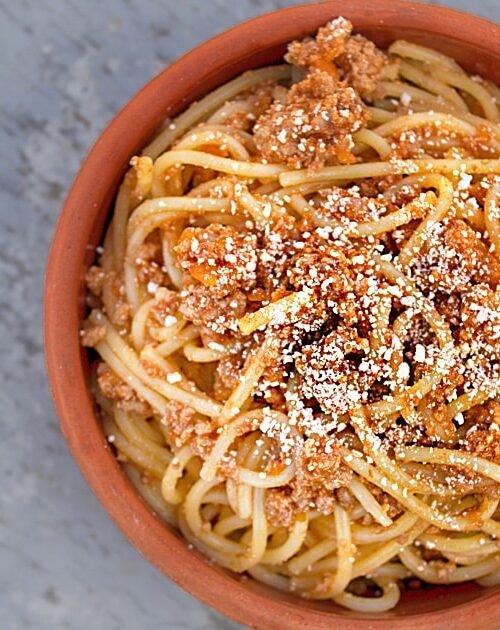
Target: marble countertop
[(67, 67)]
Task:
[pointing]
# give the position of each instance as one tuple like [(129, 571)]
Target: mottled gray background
[(66, 66)]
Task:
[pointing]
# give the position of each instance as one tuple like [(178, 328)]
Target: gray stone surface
[(66, 67)]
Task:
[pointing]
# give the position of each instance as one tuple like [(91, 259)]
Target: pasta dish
[(295, 325)]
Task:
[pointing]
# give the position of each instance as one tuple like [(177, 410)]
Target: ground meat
[(395, 240), (480, 336), (277, 246), (167, 304), (355, 59), (275, 396), (178, 420), (484, 415), (339, 204), (209, 336), (363, 290), (453, 258), (278, 361), (121, 315), (377, 185), (431, 555), (436, 420), (330, 371), (260, 99), (391, 507), (149, 261), (484, 443), (228, 468), (428, 140), (479, 144), (182, 426), (221, 257), (484, 266), (320, 470), (329, 43), (279, 364), (480, 316), (139, 178), (388, 503), (314, 126), (327, 274), (204, 438), (199, 174), (227, 375), (201, 374), (200, 305), (91, 335), (438, 426), (114, 388), (280, 507), (362, 65), (94, 279), (345, 499), (119, 311), (449, 306), (480, 189), (240, 121)]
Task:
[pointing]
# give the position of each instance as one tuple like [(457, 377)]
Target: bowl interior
[(475, 44)]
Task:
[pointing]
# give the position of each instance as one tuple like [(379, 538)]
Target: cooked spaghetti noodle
[(297, 320)]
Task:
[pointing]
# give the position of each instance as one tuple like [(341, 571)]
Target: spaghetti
[(297, 320)]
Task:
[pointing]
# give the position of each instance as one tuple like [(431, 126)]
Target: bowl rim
[(162, 546)]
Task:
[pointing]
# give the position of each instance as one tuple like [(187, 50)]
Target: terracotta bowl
[(475, 44)]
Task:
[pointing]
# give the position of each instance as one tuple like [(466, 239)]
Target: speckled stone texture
[(66, 67)]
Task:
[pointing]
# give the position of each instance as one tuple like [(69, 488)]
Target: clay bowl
[(475, 44)]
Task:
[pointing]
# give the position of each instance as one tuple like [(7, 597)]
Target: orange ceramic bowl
[(475, 44)]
